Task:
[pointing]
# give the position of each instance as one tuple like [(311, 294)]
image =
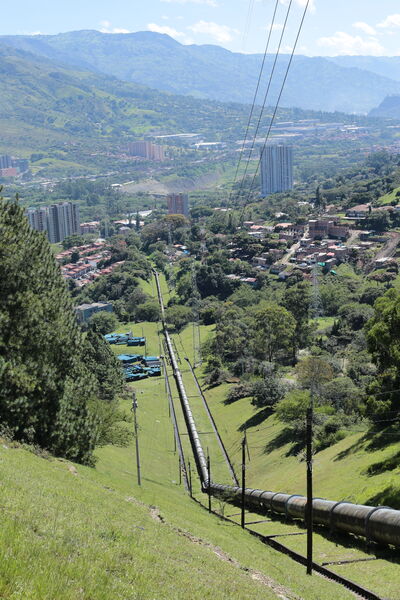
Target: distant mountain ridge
[(158, 61), (386, 66), (388, 109), (46, 105)]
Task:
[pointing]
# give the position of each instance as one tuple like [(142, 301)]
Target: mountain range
[(45, 104), (353, 84)]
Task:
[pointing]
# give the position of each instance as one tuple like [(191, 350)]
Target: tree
[(275, 328), (267, 391), (178, 316), (103, 322), (101, 361), (72, 240), (297, 301), (148, 311), (355, 315), (383, 337), (46, 390), (377, 221), (313, 372), (342, 394), (292, 409)]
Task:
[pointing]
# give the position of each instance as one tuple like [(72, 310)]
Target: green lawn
[(70, 532), (388, 198)]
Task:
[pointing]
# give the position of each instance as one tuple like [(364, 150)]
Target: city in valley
[(200, 300)]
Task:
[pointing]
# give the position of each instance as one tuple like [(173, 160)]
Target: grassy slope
[(72, 532), (340, 472), (93, 534), (388, 198)]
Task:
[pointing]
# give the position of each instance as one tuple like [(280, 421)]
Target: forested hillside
[(53, 393), (211, 71)]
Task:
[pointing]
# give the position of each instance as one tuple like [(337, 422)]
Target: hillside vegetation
[(49, 107), (71, 532), (209, 71)]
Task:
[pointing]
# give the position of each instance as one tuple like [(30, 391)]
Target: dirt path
[(281, 591)]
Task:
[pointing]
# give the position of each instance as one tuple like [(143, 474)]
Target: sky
[(331, 27)]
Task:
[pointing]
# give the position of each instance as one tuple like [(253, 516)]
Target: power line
[(277, 102), (265, 97), (248, 21), (255, 97)]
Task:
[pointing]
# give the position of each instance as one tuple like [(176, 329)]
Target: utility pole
[(309, 506), (136, 431), (190, 480), (242, 521), (209, 482), (145, 343)]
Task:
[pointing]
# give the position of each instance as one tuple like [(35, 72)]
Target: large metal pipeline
[(376, 523), (198, 452)]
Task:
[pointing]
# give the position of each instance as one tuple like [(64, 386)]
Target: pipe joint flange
[(367, 521), (287, 501), (331, 515)]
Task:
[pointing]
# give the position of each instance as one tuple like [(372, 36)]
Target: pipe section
[(376, 523)]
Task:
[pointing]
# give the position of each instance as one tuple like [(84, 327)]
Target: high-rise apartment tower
[(276, 169), (58, 220), (178, 204)]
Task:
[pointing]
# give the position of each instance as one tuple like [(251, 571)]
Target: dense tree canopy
[(49, 394)]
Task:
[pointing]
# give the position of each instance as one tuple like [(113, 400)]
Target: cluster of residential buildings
[(11, 166), (324, 241), (86, 268), (145, 149), (58, 221)]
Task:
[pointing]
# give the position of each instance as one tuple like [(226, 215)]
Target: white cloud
[(275, 27), (165, 29), (390, 21), (221, 33), (106, 27), (344, 43), (364, 27), (206, 2), (180, 35), (302, 3)]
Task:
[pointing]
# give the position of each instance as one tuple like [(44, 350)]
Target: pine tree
[(45, 389)]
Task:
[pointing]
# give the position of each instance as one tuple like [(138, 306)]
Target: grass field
[(388, 198), (70, 532)]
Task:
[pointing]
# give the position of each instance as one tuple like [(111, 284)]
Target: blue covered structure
[(125, 338), (134, 371)]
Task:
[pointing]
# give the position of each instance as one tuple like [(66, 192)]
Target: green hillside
[(74, 114), (71, 532), (209, 71)]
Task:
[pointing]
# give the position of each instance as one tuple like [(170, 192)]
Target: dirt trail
[(281, 592)]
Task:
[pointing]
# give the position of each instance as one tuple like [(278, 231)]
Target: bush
[(330, 432), (178, 316), (103, 322), (149, 311)]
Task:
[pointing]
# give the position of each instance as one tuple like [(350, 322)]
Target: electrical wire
[(254, 99), (265, 97), (248, 21), (277, 103)]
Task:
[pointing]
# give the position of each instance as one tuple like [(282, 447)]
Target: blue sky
[(332, 27)]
